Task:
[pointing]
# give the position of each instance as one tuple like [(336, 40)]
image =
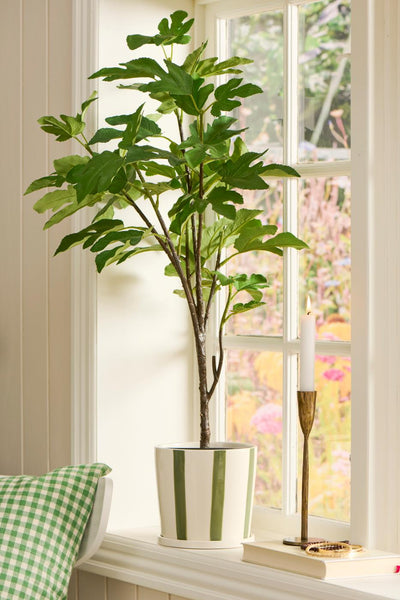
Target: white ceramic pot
[(205, 495)]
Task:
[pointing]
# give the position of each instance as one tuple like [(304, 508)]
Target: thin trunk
[(204, 396)]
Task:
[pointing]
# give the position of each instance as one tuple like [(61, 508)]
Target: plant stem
[(213, 285), (199, 332), (218, 369), (174, 258)]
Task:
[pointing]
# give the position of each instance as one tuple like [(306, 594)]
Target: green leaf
[(131, 236), (132, 129), (99, 227), (225, 195), (210, 68), (139, 67), (107, 257), (43, 182), (175, 33), (285, 240), (119, 182), (186, 206), (176, 82), (275, 170), (144, 67), (274, 245), (252, 235), (232, 89), (226, 210), (218, 130), (97, 174), (54, 200), (85, 105), (195, 156), (224, 231), (64, 130), (239, 148), (148, 128), (154, 168), (72, 208), (240, 307), (104, 135), (64, 165), (137, 40), (125, 255), (241, 174), (193, 58)]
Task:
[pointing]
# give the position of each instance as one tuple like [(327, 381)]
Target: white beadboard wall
[(88, 586), (35, 398)]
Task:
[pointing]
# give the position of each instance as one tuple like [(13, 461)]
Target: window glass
[(254, 415), (260, 38), (330, 445), (266, 320), (324, 223), (324, 81)]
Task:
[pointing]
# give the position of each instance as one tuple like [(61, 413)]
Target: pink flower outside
[(326, 359), (333, 374), (342, 464), (268, 419)]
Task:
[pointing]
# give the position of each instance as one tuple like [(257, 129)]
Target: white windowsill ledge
[(136, 557)]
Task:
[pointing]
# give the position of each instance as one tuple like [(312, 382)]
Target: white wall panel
[(144, 346), (35, 403)]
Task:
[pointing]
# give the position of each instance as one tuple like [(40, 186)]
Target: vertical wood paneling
[(91, 587), (147, 594), (60, 101), (34, 240), (10, 299), (73, 586), (119, 590), (35, 338)]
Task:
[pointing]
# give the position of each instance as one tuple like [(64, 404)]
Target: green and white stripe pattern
[(42, 521), (206, 496)]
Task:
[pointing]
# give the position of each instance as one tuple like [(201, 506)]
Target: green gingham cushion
[(42, 521)]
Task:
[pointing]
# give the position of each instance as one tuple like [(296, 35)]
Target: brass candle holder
[(306, 404)]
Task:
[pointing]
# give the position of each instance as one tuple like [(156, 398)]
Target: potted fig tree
[(205, 491)]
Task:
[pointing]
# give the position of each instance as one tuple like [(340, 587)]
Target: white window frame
[(375, 515), (216, 14)]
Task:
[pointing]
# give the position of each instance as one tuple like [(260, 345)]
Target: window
[(375, 518), (301, 53)]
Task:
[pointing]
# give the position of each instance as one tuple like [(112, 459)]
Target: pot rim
[(214, 446)]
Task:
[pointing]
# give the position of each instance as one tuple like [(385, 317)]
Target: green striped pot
[(205, 496)]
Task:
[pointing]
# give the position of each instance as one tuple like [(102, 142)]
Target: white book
[(277, 555)]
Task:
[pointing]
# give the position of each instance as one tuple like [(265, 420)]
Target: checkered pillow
[(42, 521)]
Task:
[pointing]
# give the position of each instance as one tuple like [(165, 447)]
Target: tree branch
[(218, 369), (213, 286), (173, 256)]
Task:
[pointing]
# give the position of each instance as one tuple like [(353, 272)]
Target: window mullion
[(289, 449)]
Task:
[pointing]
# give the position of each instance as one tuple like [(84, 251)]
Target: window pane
[(330, 440), (324, 215), (324, 81), (266, 320), (254, 415), (260, 38)]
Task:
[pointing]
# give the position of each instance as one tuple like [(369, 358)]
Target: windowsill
[(136, 557)]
